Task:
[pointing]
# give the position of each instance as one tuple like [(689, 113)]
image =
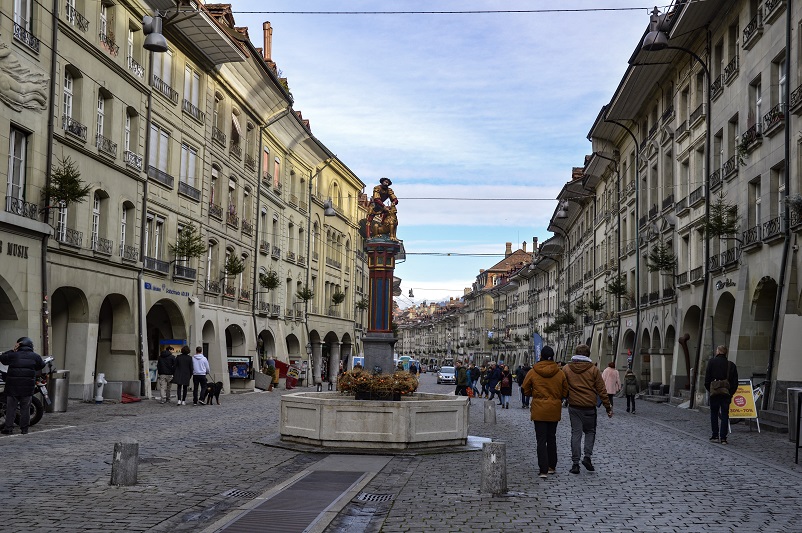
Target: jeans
[(720, 407), (24, 404), (164, 386), (583, 420), (492, 388), (630, 399), (546, 436), (181, 392), (475, 387), (524, 398), (198, 381)]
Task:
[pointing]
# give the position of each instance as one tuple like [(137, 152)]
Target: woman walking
[(611, 381), (182, 375), (547, 386), (630, 389), (505, 390)]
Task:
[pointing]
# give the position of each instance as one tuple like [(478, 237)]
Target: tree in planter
[(661, 259), (305, 294), (617, 286), (269, 280), (188, 245), (338, 297), (596, 304), (723, 221), (362, 304), (581, 308), (66, 186), (234, 266)]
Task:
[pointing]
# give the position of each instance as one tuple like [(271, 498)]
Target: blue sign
[(537, 345)]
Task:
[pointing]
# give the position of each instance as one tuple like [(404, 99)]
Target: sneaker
[(162, 401), (587, 464), (552, 471), (542, 475), (627, 410), (713, 439), (574, 469), (723, 441)]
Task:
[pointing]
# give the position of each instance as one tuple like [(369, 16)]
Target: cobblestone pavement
[(655, 471)]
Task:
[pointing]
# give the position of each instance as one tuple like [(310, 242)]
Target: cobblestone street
[(655, 471)]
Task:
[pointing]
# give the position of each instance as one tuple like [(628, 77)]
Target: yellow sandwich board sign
[(743, 401)]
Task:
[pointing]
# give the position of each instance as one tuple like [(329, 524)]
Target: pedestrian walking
[(520, 375), (612, 381), (23, 364), (493, 380), (585, 385), (484, 380), (721, 381), (413, 369), (475, 374), (182, 375), (200, 367), (505, 390), (165, 368), (546, 385), (463, 380), (630, 388)]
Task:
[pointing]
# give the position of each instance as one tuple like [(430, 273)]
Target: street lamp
[(655, 40)]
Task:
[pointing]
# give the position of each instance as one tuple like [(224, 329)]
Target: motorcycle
[(40, 396)]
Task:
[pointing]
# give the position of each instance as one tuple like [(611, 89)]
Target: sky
[(462, 108)]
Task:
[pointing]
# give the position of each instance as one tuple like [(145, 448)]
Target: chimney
[(268, 37), (508, 249), (523, 246)]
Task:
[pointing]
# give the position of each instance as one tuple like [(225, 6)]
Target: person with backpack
[(505, 389), (721, 381)]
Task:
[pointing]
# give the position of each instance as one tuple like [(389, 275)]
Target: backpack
[(505, 381)]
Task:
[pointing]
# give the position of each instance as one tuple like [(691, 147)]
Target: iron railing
[(212, 286), (163, 88), (730, 166), (715, 179), (102, 246), (696, 196), (162, 177), (22, 208), (751, 236), (250, 161), (106, 145), (26, 38), (192, 110), (752, 29), (218, 136), (772, 227), (774, 117), (682, 278), (717, 85), (232, 220), (730, 256), (229, 291), (75, 18), (69, 236), (189, 191), (73, 127), (247, 227), (698, 114), (129, 253), (668, 201), (107, 41), (264, 247), (751, 136), (184, 272), (731, 69), (132, 160), (135, 68), (216, 211), (696, 273), (156, 265), (236, 150)]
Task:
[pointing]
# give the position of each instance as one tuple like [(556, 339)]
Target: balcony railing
[(668, 201), (26, 38), (717, 85), (653, 211), (232, 220), (682, 278), (102, 246), (162, 177), (681, 130), (644, 299), (751, 236), (293, 200), (106, 145), (715, 179), (184, 272), (247, 227), (752, 31), (668, 114), (275, 253), (229, 291), (631, 245), (668, 292), (697, 195), (795, 98), (698, 114), (189, 191), (218, 136), (795, 217), (629, 189), (156, 265), (275, 309), (236, 150), (730, 256), (730, 166), (250, 161), (731, 70), (107, 42), (245, 295), (129, 253), (333, 262), (263, 307), (212, 286), (75, 18), (774, 117), (289, 313), (772, 227), (751, 137), (714, 263), (192, 110), (73, 127), (681, 205), (696, 274), (132, 160), (135, 68), (654, 296), (69, 236), (770, 9), (161, 87), (642, 221), (264, 247), (290, 256), (22, 208), (216, 211)]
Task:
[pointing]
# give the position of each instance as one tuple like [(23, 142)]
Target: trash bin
[(58, 387), (793, 416)]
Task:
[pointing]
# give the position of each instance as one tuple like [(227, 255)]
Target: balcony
[(189, 191), (245, 295), (165, 90), (247, 227), (795, 217), (73, 128), (333, 263), (731, 70), (107, 43), (229, 291), (132, 160), (135, 68), (129, 253), (654, 297), (102, 246), (681, 132), (771, 10), (275, 310), (184, 272), (682, 279), (212, 286), (773, 228), (794, 100), (299, 314), (714, 263), (642, 221), (192, 110), (774, 120), (715, 179), (668, 292), (293, 200), (160, 176), (730, 256), (289, 313), (717, 86), (696, 197), (631, 246), (290, 256), (751, 237), (752, 138), (267, 180), (653, 211), (696, 274), (644, 299), (105, 145), (697, 116), (75, 18), (22, 208), (629, 189), (302, 262), (236, 150), (752, 31), (667, 115), (216, 211), (156, 265), (218, 136), (25, 37), (730, 167), (69, 236), (262, 307), (250, 161), (264, 247), (275, 253), (668, 202), (681, 206), (232, 220)]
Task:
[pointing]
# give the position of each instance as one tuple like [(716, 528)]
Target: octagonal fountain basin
[(335, 420)]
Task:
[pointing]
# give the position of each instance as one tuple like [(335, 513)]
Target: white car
[(446, 375)]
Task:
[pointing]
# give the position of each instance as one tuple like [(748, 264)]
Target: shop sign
[(165, 289), (15, 250), (721, 284)]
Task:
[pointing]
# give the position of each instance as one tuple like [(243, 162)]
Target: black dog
[(213, 393)]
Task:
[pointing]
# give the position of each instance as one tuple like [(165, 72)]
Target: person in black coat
[(720, 369), (182, 374), (165, 368), (23, 364)]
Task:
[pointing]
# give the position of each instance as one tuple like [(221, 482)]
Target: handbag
[(498, 386), (720, 387)]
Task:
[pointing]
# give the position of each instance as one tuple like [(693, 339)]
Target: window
[(213, 192), (95, 220), (265, 164), (733, 135), (69, 84), (210, 253), (754, 202), (756, 98), (236, 128), (192, 86), (153, 236), (276, 173), (159, 147), (181, 260), (232, 197), (218, 108), (17, 154), (249, 136), (189, 157), (104, 15), (101, 113), (23, 13), (61, 225), (777, 191), (163, 67), (127, 133), (123, 226), (246, 203), (781, 95)]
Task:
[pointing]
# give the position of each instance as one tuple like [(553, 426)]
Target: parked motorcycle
[(40, 396)]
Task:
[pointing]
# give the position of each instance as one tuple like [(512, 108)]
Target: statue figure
[(382, 219)]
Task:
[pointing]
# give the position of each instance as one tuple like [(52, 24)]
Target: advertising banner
[(743, 401)]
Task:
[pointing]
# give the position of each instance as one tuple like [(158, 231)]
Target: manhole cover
[(370, 497), (237, 493)]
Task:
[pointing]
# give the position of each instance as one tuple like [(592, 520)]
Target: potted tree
[(188, 245)]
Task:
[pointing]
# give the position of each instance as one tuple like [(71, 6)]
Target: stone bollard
[(125, 463), (490, 411), (494, 468)]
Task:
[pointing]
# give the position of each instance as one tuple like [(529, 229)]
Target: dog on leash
[(213, 391)]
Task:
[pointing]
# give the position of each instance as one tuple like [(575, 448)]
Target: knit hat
[(546, 353)]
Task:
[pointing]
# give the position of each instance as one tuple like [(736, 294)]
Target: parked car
[(446, 375)]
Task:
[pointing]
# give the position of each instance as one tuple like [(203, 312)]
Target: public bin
[(58, 387), (793, 415)]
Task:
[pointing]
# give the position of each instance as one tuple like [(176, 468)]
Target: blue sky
[(454, 106)]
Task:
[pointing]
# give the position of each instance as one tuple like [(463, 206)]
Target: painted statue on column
[(382, 219)]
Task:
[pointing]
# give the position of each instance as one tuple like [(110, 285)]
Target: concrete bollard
[(494, 468), (490, 411), (125, 463)]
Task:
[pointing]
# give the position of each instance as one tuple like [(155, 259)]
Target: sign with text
[(743, 401)]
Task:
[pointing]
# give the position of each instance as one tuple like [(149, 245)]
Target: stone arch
[(235, 341), (753, 348), (69, 312), (330, 357), (346, 350), (656, 345), (13, 318), (265, 346), (690, 330), (722, 319), (116, 353), (164, 322)]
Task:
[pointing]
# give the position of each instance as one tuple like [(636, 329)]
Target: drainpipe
[(775, 324)]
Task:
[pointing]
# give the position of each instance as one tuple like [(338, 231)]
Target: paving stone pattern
[(655, 471)]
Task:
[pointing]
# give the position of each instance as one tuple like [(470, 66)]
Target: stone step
[(768, 425), (655, 398), (773, 415)]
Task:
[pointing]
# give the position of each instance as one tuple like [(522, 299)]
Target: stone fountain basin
[(335, 420)]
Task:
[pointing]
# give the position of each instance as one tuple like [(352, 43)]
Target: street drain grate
[(370, 497), (237, 493)]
